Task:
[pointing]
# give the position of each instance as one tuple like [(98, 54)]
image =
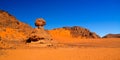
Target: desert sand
[(99, 49), (63, 54)]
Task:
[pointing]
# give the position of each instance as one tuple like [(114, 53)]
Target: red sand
[(106, 49), (63, 54)]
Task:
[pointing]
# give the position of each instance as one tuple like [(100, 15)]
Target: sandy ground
[(88, 50), (63, 54)]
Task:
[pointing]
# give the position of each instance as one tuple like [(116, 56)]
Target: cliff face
[(72, 32), (112, 36)]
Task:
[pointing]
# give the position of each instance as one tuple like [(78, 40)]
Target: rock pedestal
[(39, 35)]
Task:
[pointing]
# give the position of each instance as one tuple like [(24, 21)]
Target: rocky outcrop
[(39, 37), (77, 31), (38, 34), (11, 28), (112, 36), (9, 21), (14, 32), (72, 32)]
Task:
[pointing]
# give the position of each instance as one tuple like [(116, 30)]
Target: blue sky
[(100, 16)]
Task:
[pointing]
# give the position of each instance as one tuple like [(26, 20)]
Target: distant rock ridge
[(74, 32), (112, 36), (77, 31)]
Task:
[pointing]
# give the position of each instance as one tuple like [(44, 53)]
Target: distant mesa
[(112, 36)]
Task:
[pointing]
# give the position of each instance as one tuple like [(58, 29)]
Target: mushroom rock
[(40, 23), (39, 33)]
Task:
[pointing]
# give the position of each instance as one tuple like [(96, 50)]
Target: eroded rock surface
[(14, 33), (112, 36), (73, 32)]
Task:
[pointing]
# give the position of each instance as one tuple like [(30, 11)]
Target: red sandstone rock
[(40, 22), (73, 32)]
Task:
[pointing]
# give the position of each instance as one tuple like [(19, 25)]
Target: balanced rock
[(40, 22), (39, 33)]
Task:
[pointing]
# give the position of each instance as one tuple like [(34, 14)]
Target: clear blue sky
[(100, 16)]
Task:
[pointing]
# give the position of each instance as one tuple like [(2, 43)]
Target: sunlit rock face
[(8, 20), (72, 32), (9, 24), (12, 31), (77, 31)]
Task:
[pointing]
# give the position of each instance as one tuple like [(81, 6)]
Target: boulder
[(40, 22)]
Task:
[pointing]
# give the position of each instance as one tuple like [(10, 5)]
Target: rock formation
[(72, 32), (40, 23), (14, 32), (77, 31), (10, 24), (112, 36), (7, 20), (39, 33)]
